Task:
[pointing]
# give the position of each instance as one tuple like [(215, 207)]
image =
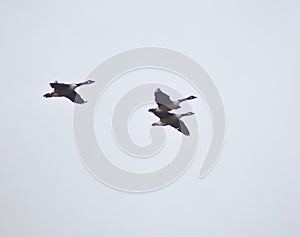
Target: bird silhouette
[(68, 91), (164, 102)]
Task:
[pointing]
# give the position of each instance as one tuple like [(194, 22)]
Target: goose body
[(164, 102), (171, 119), (68, 91)]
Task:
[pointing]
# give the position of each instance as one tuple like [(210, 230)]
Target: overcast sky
[(251, 51)]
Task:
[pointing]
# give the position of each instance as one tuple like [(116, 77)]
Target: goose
[(68, 91), (172, 119), (165, 103)]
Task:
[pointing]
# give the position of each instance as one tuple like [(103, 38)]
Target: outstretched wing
[(180, 126), (58, 86), (162, 98), (75, 98)]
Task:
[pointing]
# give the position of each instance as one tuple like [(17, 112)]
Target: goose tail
[(47, 95)]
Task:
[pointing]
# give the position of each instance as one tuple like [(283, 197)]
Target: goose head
[(191, 97), (89, 81)]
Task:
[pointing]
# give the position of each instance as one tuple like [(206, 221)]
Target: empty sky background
[(251, 51)]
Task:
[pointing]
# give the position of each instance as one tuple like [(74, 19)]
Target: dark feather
[(180, 126), (47, 95), (162, 98), (59, 86), (163, 115), (75, 98)]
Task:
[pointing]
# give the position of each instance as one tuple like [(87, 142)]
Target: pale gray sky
[(251, 51)]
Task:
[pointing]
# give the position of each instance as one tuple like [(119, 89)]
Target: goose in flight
[(171, 119), (68, 91), (165, 103)]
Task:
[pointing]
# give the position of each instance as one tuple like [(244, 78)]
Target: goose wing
[(180, 126), (75, 98), (58, 86), (161, 98)]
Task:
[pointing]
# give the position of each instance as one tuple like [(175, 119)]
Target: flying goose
[(171, 119), (165, 104), (68, 91)]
